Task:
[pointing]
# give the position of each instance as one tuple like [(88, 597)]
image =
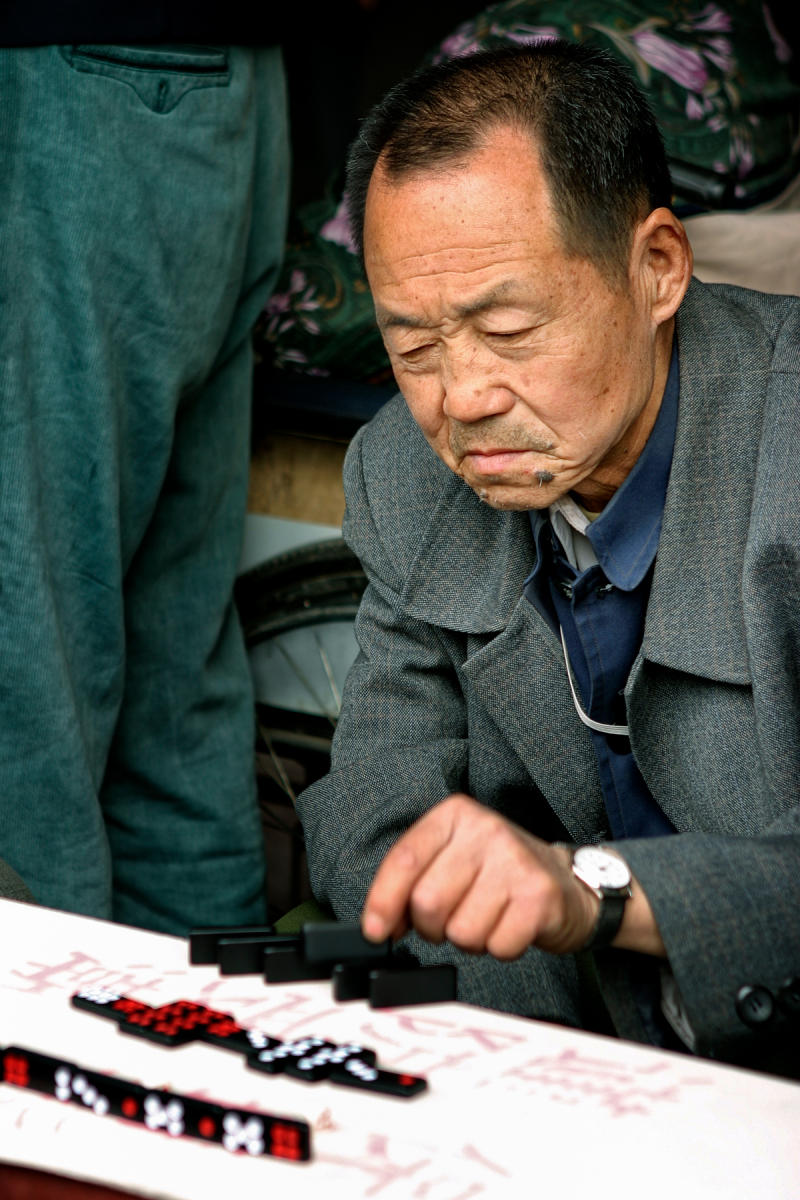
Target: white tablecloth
[(514, 1109)]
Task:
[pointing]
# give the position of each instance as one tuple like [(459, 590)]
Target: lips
[(493, 462)]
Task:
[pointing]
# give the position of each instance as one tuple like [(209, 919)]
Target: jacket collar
[(468, 573)]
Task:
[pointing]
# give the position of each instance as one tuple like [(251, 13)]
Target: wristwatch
[(606, 874)]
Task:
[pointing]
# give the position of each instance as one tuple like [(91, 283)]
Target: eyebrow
[(502, 293)]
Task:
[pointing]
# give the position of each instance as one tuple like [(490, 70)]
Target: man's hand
[(464, 873)]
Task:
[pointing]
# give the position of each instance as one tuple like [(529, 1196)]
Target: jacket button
[(789, 997), (755, 1005)]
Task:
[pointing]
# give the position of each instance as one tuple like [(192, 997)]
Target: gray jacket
[(460, 685)]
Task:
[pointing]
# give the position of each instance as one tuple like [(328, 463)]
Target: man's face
[(529, 375)]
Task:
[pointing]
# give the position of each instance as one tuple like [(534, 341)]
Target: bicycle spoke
[(276, 762), (326, 662), (312, 691)]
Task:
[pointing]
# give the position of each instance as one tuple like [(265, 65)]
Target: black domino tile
[(270, 1061), (288, 1139), (311, 1066), (181, 1116), (28, 1069), (87, 1089), (308, 1070), (289, 966), (356, 1073), (321, 1063), (275, 1060), (173, 1024), (341, 942), (245, 955), (203, 1119), (424, 985), (203, 941), (105, 1003), (350, 1050), (226, 1034), (245, 1132), (350, 982), (125, 1099)]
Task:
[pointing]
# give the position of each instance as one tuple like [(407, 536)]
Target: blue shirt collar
[(625, 535)]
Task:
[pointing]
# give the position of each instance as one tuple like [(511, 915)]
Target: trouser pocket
[(160, 75)]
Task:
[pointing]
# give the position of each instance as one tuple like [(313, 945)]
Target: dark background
[(342, 61)]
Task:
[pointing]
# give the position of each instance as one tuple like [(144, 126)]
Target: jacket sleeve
[(726, 896), (727, 909)]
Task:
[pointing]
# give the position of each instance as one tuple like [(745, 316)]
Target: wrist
[(639, 930)]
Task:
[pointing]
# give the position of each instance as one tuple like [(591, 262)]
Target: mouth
[(495, 461)]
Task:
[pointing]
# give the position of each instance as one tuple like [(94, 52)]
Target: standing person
[(571, 735), (143, 200)]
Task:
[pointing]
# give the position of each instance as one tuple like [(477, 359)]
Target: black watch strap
[(609, 919)]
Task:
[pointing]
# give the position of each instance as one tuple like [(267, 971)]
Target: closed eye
[(508, 335), (417, 354)]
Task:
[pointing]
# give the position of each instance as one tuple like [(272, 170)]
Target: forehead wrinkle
[(435, 259)]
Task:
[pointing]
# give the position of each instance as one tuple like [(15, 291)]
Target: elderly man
[(574, 722)]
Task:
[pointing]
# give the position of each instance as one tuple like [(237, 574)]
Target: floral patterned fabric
[(715, 73), (717, 77), (319, 320)]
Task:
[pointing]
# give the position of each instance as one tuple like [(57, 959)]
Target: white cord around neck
[(599, 726)]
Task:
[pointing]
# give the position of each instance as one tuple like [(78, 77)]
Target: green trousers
[(142, 216)]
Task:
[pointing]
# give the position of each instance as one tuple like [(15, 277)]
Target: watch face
[(600, 868)]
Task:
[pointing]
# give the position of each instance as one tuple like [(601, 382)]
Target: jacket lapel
[(520, 677), (695, 624), (467, 577), (468, 572), (695, 620)]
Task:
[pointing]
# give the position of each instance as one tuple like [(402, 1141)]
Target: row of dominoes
[(359, 969), (309, 1059), (236, 1129)]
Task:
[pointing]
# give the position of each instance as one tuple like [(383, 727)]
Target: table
[(515, 1108), (25, 1183)]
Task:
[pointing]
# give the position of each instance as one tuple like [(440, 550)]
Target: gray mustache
[(493, 433)]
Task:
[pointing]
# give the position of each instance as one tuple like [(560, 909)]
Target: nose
[(472, 388)]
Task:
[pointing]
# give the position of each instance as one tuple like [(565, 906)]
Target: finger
[(515, 899), (540, 912), (473, 920), (509, 871), (501, 898), (387, 901), (441, 889), (513, 932)]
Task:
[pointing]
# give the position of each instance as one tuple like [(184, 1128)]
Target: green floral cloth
[(319, 320), (717, 76)]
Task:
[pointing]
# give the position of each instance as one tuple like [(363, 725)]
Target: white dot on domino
[(356, 1067), (99, 995)]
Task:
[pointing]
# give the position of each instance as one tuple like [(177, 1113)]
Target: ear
[(661, 263)]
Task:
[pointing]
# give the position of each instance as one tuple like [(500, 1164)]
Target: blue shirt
[(601, 611)]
